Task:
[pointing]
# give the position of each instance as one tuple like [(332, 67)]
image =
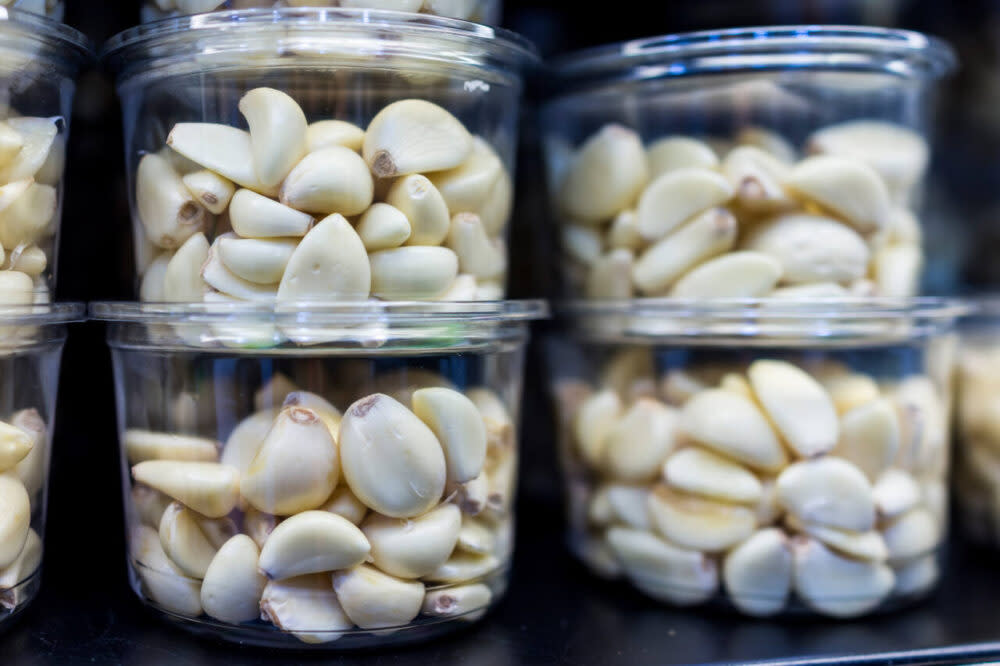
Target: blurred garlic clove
[(811, 248), (184, 541), (701, 472), (624, 232), (735, 383), (329, 263), (743, 274), (628, 505), (458, 426), (211, 489), (416, 197), (904, 228), (838, 586), (277, 133), (151, 288), (255, 216), (457, 9), (490, 291), (664, 571), (474, 537), (495, 211), (756, 176), (330, 180), (166, 584), (610, 277), (802, 292), (797, 404), (595, 419), (897, 270), (220, 148), (10, 144), (911, 535), (733, 426), (701, 238), (870, 436), (28, 219), (168, 212), (699, 524), (258, 260), (606, 176), (38, 136), (325, 133), (768, 509), (218, 277), (232, 588), (149, 504), (16, 288), (16, 444), (769, 141), (468, 602), (259, 525), (414, 136), (466, 187), (297, 466), (477, 253), (638, 444), (33, 469), (412, 272), (464, 288), (329, 414), (383, 226), (391, 460), (210, 190), (849, 188), (582, 244), (757, 573), (312, 542), (464, 567), (677, 196), (306, 607), (182, 280), (24, 565), (850, 391), (246, 439), (917, 576), (143, 445), (374, 600), (413, 547), (859, 545), (343, 503), (828, 491), (895, 493), (15, 516), (471, 497), (679, 152)]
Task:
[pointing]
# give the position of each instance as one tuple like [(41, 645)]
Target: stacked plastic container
[(753, 409)]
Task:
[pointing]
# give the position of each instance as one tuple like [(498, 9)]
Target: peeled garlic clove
[(324, 133), (211, 489), (143, 445), (38, 135), (679, 152), (770, 142), (677, 196), (474, 537), (606, 176), (849, 188), (705, 236), (246, 439), (168, 212), (756, 177), (312, 542), (471, 497), (464, 567), (627, 368), (412, 273), (29, 218), (797, 404), (33, 468), (734, 426), (768, 509), (803, 292), (424, 207), (897, 270), (838, 586), (22, 568), (16, 288), (917, 576), (913, 534), (734, 275), (329, 263), (391, 460), (15, 515), (149, 504), (16, 444), (259, 525), (624, 232), (811, 248), (329, 414), (468, 602), (343, 503), (860, 545), (374, 600), (330, 180), (220, 148), (232, 588), (477, 253), (664, 571), (307, 607), (758, 573), (459, 428), (850, 391), (495, 211), (210, 190), (869, 437), (466, 187), (464, 288), (296, 468), (610, 278), (218, 277), (257, 260), (182, 280), (699, 524), (184, 541), (414, 136), (595, 419), (161, 579), (628, 505), (828, 491), (382, 227), (581, 244), (29, 259), (701, 472), (277, 133), (414, 547), (255, 216), (151, 289), (895, 493), (10, 143), (736, 384), (904, 228), (637, 445)]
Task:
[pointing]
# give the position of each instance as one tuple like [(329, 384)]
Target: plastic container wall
[(478, 11)]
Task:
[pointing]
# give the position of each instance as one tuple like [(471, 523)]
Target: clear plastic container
[(39, 60), (478, 11), (743, 163), (31, 343), (412, 207), (765, 456), (382, 454), (53, 9)]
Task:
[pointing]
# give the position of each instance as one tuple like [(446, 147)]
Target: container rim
[(856, 48), (48, 31), (310, 313), (506, 45), (42, 314)]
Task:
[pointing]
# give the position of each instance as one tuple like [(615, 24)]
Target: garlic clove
[(605, 177), (255, 216), (168, 212), (477, 253), (464, 567), (758, 573), (182, 280), (679, 152), (638, 444), (412, 272), (16, 444), (330, 180), (210, 190), (277, 133), (413, 547), (416, 197), (306, 607), (811, 248), (743, 274), (344, 503), (325, 133), (382, 227), (185, 542), (38, 137), (838, 586), (468, 602), (703, 237), (797, 404), (458, 426), (828, 491), (851, 189), (677, 196), (232, 588), (143, 445), (733, 426), (312, 542), (664, 571), (329, 263), (701, 472), (166, 585), (15, 516), (220, 148), (414, 136), (870, 436), (211, 489), (465, 188), (246, 439), (699, 524)]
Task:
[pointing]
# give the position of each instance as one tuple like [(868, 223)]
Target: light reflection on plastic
[(3, 14)]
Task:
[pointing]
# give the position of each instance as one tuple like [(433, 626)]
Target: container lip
[(42, 314), (507, 45), (49, 31), (725, 51), (322, 313)]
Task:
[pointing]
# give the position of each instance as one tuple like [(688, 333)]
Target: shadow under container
[(378, 144), (765, 456), (31, 344), (784, 161), (39, 61), (478, 11), (353, 487)]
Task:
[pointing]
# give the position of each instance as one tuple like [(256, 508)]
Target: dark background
[(555, 613)]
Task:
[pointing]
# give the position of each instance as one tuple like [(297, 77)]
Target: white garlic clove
[(468, 602), (382, 227), (849, 188), (15, 516), (801, 292), (458, 426), (768, 509), (414, 136), (258, 260), (471, 497), (917, 576), (743, 274), (143, 445), (495, 211), (246, 439), (868, 545), (329, 263), (581, 244), (259, 525), (594, 420), (464, 567), (413, 547), (701, 472), (610, 277), (733, 426), (849, 391), (628, 505), (696, 523), (606, 176), (895, 493), (911, 535), (375, 600), (26, 564), (330, 180), (11, 143), (664, 571), (838, 586), (757, 573), (218, 277), (324, 133), (210, 190), (149, 504), (474, 537), (416, 197), (870, 436), (184, 541), (769, 141), (343, 503), (166, 585), (412, 272), (220, 148), (277, 133), (897, 270), (329, 414), (307, 607), (232, 588), (312, 542), (33, 469), (705, 236), (477, 253), (211, 489), (151, 288), (168, 212), (29, 218), (677, 196), (624, 232), (38, 136), (756, 176), (30, 260), (466, 187), (15, 445), (464, 288), (182, 280), (797, 404), (679, 152), (639, 443), (255, 216), (16, 288), (828, 491)]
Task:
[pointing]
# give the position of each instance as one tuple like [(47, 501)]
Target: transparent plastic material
[(352, 492), (784, 161), (53, 9), (39, 60), (378, 160), (478, 11), (31, 342), (767, 457)]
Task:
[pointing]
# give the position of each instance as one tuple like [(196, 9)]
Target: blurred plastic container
[(379, 152), (478, 11), (768, 456), (53, 9), (783, 161), (352, 492)]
